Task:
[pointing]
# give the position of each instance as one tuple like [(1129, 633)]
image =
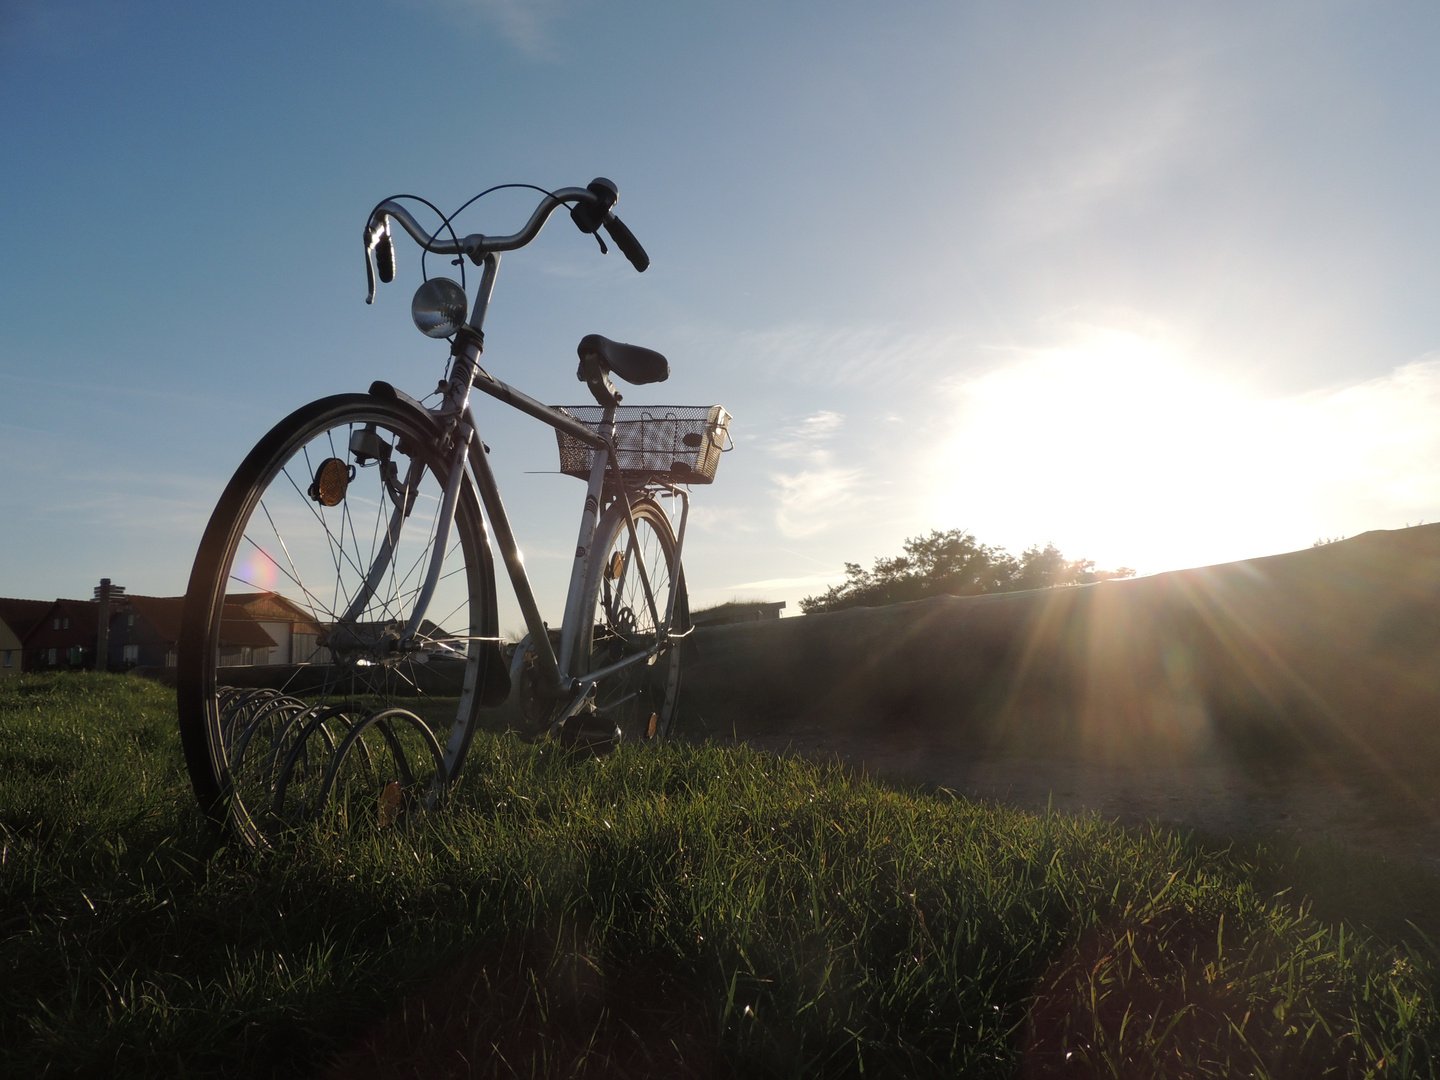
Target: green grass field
[(688, 911)]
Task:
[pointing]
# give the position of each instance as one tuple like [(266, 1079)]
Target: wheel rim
[(641, 699), (299, 546)]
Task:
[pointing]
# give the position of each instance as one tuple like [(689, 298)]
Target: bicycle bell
[(439, 307)]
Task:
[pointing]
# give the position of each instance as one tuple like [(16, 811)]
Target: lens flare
[(256, 570)]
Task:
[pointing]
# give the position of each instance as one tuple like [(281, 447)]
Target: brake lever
[(589, 216), (385, 252), (379, 247)]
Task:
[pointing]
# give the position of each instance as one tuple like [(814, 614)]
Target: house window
[(132, 654), (57, 624), (64, 624), (9, 657), (131, 619), (50, 656)]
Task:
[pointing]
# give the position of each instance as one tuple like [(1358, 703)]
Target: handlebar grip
[(379, 248), (385, 258), (626, 242)]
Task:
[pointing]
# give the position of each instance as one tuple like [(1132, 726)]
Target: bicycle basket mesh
[(679, 443)]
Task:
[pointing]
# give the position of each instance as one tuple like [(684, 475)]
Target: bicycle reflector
[(438, 308), (332, 479)]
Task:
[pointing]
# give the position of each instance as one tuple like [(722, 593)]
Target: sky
[(1153, 282)]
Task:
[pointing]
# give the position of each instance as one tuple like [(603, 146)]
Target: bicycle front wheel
[(300, 692), (641, 698)]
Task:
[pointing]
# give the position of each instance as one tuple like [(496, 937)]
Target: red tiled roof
[(161, 612), (83, 616), (22, 616), (237, 626), (272, 607)]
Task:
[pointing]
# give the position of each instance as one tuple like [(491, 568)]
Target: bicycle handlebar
[(592, 204), (626, 242)]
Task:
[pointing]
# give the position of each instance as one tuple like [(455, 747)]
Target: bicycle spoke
[(295, 578)]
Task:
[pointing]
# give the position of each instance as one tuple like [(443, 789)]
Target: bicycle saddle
[(635, 365)]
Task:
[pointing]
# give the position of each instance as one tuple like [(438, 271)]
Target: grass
[(692, 911)]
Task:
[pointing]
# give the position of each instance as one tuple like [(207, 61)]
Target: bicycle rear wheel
[(640, 699), (314, 559)]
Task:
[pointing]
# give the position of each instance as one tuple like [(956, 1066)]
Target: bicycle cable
[(446, 224), (446, 221)]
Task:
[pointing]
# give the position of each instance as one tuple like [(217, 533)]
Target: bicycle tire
[(353, 723), (641, 699)]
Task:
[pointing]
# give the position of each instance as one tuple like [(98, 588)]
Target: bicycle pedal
[(590, 732)]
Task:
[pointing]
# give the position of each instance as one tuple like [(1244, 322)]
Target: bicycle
[(358, 518)]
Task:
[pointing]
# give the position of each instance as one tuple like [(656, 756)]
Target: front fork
[(458, 433), (462, 436)]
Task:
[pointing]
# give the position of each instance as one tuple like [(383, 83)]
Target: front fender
[(495, 687)]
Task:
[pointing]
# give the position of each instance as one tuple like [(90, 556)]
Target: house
[(64, 637), (297, 635), (243, 641), (12, 650), (17, 619), (145, 630), (736, 612)]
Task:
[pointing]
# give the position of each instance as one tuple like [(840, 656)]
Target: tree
[(954, 563)]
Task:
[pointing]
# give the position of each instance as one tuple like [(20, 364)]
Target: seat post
[(593, 372)]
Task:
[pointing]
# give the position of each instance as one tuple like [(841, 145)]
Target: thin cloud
[(807, 499), (849, 357), (1111, 153), (524, 24), (807, 439), (814, 499), (808, 581)]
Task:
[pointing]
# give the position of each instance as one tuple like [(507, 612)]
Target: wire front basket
[(678, 443)]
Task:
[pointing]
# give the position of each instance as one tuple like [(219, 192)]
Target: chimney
[(102, 630), (103, 595)]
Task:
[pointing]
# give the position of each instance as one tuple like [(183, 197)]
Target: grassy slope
[(692, 911)]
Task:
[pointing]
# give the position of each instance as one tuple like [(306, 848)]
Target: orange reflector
[(331, 479), (654, 720)]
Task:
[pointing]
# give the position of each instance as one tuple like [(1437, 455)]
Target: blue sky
[(1154, 282)]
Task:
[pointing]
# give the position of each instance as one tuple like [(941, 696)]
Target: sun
[(1116, 448)]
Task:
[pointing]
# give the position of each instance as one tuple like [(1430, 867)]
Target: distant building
[(11, 651), (297, 636), (64, 638), (243, 641), (256, 629), (724, 614), (145, 632), (18, 618)]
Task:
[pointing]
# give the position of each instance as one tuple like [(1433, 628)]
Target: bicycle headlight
[(439, 307)]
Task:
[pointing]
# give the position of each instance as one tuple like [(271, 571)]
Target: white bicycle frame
[(461, 443)]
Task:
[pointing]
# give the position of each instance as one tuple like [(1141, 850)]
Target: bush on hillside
[(954, 563)]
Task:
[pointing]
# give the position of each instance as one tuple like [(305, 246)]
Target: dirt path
[(1398, 817)]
